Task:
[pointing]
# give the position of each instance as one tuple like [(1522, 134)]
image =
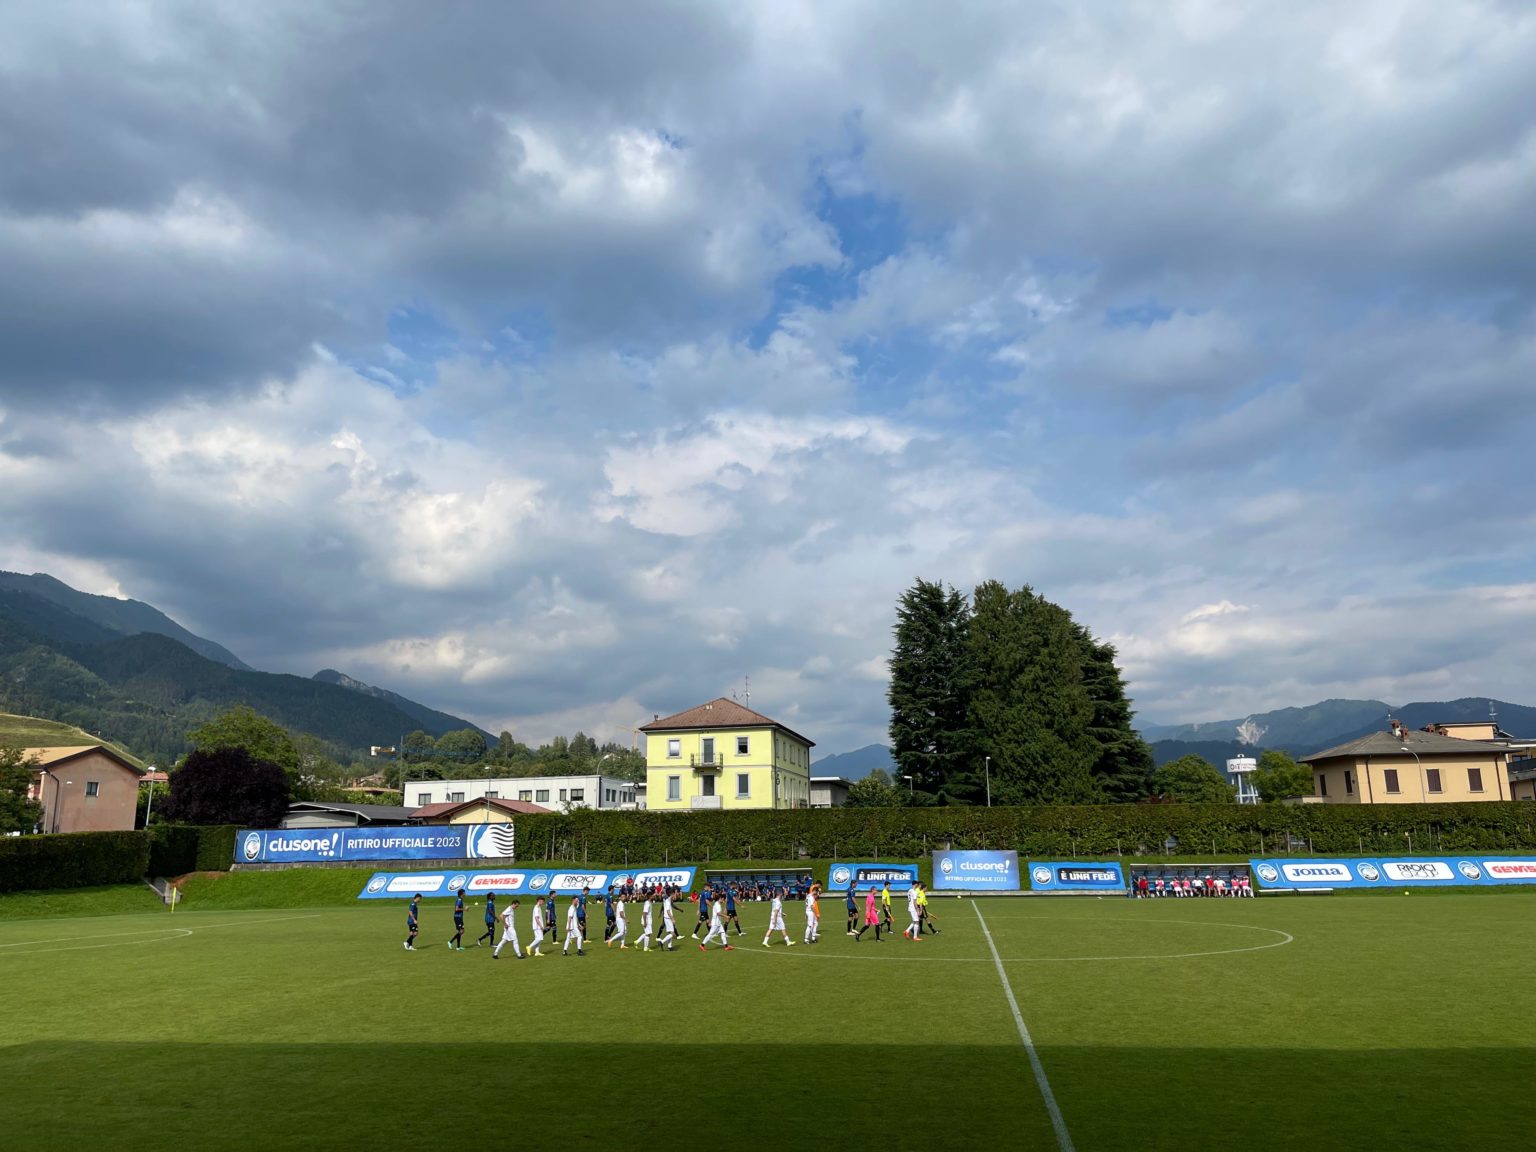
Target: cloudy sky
[(561, 364)]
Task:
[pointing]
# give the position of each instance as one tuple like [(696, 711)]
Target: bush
[(215, 848), (72, 860), (1039, 831), (173, 849)]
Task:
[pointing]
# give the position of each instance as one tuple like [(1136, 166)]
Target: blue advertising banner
[(530, 882), (1067, 876), (841, 877), (977, 871), (423, 842), (1379, 872)]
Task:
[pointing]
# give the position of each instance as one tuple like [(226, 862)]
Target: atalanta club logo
[(841, 876), (538, 882), (1268, 873), (1042, 876), (1367, 870), (377, 883), (457, 882), (1470, 870), (252, 847), (946, 865)]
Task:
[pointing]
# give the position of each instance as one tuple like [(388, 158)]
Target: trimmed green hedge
[(215, 848), (1061, 832), (72, 860), (173, 849)]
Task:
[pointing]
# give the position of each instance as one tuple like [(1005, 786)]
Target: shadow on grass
[(391, 1095)]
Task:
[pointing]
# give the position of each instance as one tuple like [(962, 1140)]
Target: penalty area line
[(1063, 1137)]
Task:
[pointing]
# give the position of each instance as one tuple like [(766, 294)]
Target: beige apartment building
[(1453, 763), (84, 788)]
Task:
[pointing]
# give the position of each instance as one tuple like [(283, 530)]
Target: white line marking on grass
[(1285, 938), (1063, 1137), (156, 936)]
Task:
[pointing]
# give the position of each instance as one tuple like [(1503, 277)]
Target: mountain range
[(1299, 731), (127, 672)]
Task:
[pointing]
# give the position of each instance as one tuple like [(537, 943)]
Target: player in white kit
[(645, 923), (776, 920), (508, 933), (573, 929), (913, 931), (537, 942), (668, 923), (620, 924), (812, 914), (716, 925)]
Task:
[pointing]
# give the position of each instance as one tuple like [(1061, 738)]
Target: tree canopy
[(244, 727), (874, 791), (228, 786), (1278, 777), (17, 813), (1193, 780), (1008, 677)]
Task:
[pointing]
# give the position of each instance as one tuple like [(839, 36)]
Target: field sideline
[(1329, 1023)]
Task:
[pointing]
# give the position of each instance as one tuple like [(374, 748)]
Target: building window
[(1433, 775), (1322, 784), (743, 785), (526, 795), (455, 797), (1474, 779), (92, 788), (674, 749), (1391, 777), (542, 796), (562, 793), (674, 787), (423, 799), (743, 743), (1349, 782), (578, 795), (493, 795)]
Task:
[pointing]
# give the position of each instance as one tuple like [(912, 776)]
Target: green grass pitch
[(1319, 1023)]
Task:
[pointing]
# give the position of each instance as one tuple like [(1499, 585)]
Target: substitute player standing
[(490, 921), (508, 933), (458, 922), (776, 920), (412, 923)]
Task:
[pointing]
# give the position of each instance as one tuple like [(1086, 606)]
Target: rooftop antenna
[(746, 691)]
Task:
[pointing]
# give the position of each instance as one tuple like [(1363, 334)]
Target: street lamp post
[(987, 768), (1423, 780), (149, 805), (911, 789)]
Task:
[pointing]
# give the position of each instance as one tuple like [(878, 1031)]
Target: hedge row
[(1049, 832), (72, 860)]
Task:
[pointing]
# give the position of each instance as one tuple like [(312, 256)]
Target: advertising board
[(1075, 876), (529, 882), (976, 872), (422, 842), (841, 877), (1390, 872)]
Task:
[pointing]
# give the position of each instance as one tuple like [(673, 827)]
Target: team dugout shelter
[(759, 884), (1196, 874)]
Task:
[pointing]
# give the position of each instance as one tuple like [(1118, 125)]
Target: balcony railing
[(709, 763), (704, 802)]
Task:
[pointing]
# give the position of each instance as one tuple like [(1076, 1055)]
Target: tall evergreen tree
[(1029, 707), (1123, 768), (930, 731)]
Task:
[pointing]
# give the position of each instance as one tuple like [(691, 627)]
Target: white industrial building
[(553, 792)]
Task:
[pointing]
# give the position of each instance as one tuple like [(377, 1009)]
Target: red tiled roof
[(434, 811), (721, 713)]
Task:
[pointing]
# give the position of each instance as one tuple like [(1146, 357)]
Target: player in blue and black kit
[(730, 910), (490, 921), (608, 914), (581, 915), (853, 912), (458, 923), (411, 923)]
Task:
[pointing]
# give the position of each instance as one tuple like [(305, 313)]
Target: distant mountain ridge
[(855, 765), (79, 660), (60, 612), (430, 720)]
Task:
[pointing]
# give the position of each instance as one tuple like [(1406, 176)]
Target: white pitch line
[(1063, 1137), (156, 935)]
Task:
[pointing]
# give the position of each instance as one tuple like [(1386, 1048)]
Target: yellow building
[(722, 755), (1408, 767)]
